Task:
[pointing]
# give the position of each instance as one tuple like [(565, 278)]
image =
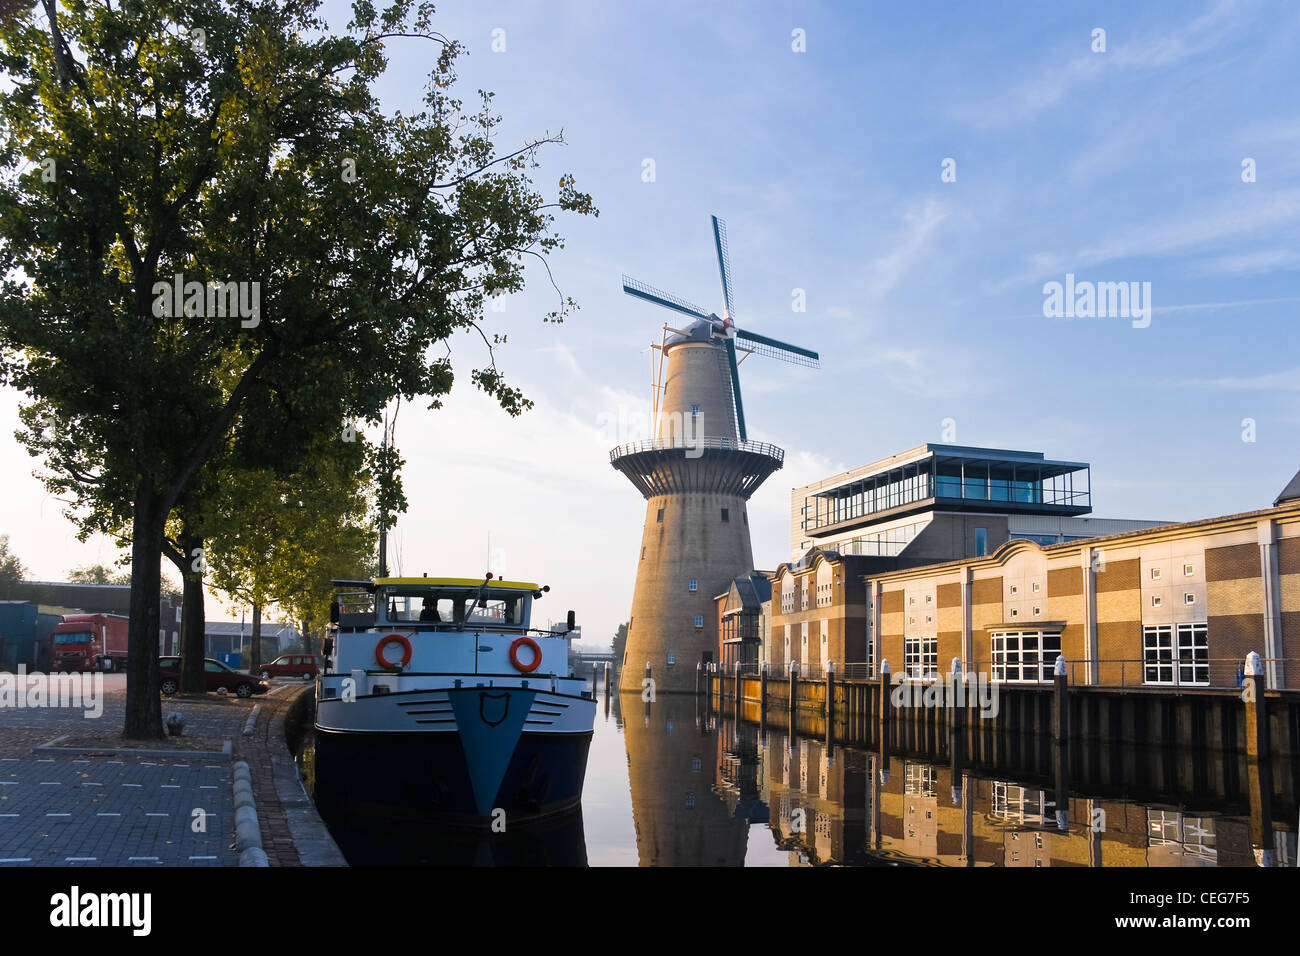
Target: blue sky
[(924, 297)]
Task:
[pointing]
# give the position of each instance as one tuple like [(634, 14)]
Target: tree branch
[(531, 147)]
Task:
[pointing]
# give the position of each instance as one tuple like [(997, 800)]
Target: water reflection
[(682, 816), (671, 783)]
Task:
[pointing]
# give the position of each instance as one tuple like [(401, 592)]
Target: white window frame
[(699, 620), (921, 656), (693, 585), (1034, 652), (1176, 654)]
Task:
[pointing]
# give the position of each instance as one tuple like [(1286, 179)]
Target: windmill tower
[(696, 475)]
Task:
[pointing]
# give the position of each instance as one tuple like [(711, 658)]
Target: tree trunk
[(306, 638), (193, 618), (143, 707), (255, 652), (193, 647)]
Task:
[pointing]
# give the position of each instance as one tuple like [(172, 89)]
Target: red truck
[(89, 642)]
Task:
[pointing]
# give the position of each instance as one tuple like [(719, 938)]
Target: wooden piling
[(1259, 769), (1060, 703)]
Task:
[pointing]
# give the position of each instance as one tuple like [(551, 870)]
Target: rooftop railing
[(695, 444)]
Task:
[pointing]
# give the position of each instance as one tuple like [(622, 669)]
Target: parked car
[(217, 676), (291, 665)]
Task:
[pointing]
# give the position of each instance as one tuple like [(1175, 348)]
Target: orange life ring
[(393, 639), (531, 645)]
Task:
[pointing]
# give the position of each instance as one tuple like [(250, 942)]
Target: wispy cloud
[(1196, 230), (1199, 306), (919, 223), (1060, 77), (1258, 262), (1285, 380)]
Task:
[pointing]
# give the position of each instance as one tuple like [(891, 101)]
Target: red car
[(217, 676), (302, 666)]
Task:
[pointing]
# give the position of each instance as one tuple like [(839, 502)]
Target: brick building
[(985, 556), (1180, 604), (744, 619), (819, 612)]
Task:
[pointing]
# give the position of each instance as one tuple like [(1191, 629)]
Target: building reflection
[(831, 805)]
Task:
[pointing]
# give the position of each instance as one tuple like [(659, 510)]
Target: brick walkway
[(267, 754), (106, 811), (96, 810)]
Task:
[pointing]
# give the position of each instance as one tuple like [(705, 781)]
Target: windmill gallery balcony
[(712, 465)]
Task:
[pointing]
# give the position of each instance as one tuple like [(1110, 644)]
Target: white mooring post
[(886, 705)]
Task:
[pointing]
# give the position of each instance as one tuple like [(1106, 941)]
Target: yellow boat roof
[(456, 583)]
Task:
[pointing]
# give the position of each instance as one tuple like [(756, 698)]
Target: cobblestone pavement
[(104, 811), (79, 810)]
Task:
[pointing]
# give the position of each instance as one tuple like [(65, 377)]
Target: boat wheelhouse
[(441, 698)]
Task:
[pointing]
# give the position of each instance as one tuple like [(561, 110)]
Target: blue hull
[(427, 776)]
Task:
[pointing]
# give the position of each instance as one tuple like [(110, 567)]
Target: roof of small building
[(1291, 492), (269, 628)]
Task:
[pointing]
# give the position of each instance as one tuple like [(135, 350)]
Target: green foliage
[(620, 643), (11, 569), (238, 141), (272, 540), (102, 574), (98, 574)]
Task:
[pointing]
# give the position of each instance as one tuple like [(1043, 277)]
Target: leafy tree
[(620, 643), (98, 574), (332, 246), (280, 540), (11, 569), (102, 574)]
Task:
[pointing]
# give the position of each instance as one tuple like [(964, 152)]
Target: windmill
[(724, 328), (695, 539)]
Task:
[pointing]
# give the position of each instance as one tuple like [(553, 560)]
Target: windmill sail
[(724, 266), (648, 292), (774, 348), (735, 389)]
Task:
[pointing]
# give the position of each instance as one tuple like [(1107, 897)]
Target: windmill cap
[(701, 330)]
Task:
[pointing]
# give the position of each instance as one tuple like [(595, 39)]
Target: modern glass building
[(939, 502)]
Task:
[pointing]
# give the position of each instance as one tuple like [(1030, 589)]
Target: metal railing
[(695, 444), (1206, 673)]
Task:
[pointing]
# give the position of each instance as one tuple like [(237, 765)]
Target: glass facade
[(885, 544), (1028, 484)]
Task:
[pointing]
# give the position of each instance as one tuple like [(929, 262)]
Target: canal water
[(671, 784)]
